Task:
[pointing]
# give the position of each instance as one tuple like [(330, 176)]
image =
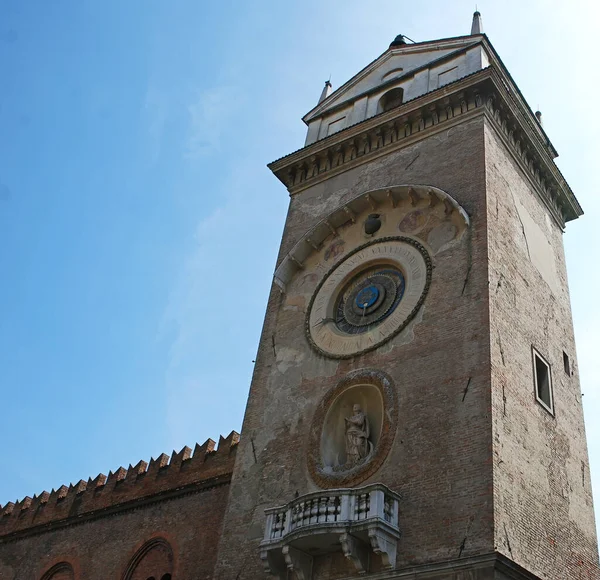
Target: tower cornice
[(490, 92)]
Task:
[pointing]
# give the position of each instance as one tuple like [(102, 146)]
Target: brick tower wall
[(543, 500), (440, 460)]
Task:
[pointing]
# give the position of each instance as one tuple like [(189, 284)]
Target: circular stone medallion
[(369, 297)]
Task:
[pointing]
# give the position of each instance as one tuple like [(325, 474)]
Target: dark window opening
[(566, 363), (543, 381), (391, 100), (166, 577)]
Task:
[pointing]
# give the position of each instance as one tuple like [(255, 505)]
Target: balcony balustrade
[(358, 522)]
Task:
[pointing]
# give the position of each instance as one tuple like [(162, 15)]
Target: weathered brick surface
[(139, 523), (543, 500), (441, 458)]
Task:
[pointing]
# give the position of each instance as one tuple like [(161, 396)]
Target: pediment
[(394, 63)]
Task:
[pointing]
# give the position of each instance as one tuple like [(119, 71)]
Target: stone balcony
[(357, 522)]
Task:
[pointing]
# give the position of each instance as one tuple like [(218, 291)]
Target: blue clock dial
[(368, 299)]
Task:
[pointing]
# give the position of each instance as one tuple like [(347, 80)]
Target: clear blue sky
[(138, 222)]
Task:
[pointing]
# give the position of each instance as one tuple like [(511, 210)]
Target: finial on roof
[(477, 26), (398, 41), (538, 116), (327, 90)]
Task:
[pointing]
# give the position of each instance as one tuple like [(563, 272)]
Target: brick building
[(415, 410)]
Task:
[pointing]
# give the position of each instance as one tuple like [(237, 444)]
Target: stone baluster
[(323, 504)]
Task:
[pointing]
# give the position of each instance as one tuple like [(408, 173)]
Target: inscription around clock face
[(369, 297)]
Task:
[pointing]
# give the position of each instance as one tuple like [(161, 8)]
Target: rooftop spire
[(327, 90), (477, 26)]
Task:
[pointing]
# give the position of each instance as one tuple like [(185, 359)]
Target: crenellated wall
[(170, 504)]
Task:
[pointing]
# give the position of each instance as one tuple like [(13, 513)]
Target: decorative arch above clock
[(412, 209)]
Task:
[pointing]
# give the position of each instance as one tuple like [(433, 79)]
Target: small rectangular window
[(543, 381), (567, 364)]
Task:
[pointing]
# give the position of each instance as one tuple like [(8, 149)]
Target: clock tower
[(415, 410)]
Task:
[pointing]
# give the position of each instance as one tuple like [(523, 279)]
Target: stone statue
[(358, 446)]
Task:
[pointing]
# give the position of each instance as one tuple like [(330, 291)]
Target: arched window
[(61, 571), (390, 100), (153, 561)]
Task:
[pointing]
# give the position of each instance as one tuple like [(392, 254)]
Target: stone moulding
[(356, 522), (385, 385), (485, 92)]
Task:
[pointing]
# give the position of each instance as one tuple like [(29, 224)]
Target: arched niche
[(390, 100), (374, 393), (369, 399), (153, 560)]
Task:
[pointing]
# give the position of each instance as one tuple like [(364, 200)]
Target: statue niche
[(351, 429), (358, 445)]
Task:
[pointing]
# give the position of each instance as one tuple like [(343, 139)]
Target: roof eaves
[(532, 120)]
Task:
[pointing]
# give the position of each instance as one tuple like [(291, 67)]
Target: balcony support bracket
[(385, 545), (288, 562), (298, 563), (356, 551)]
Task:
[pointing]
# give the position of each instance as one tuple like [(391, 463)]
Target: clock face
[(368, 297)]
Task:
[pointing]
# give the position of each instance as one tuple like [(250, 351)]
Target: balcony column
[(288, 522), (346, 507), (394, 521), (376, 504), (269, 527)]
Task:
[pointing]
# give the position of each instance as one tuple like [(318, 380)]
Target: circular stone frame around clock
[(376, 288)]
